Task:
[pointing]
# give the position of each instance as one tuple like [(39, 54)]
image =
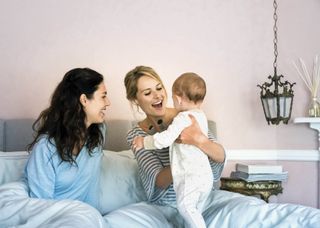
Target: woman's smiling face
[(96, 106), (151, 96)]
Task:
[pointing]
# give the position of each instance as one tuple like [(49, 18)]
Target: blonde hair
[(132, 77), (191, 86)]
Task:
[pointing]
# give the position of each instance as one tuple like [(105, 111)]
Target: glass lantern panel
[(266, 107), (272, 107), (287, 106), (282, 106)]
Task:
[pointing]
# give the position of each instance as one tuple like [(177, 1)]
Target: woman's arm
[(193, 135), (154, 176), (164, 178), (39, 171)]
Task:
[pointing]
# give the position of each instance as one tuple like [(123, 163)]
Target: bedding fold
[(18, 209)]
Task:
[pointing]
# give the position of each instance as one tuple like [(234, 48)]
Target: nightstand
[(262, 188)]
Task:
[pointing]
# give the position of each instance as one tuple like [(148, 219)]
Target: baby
[(190, 167)]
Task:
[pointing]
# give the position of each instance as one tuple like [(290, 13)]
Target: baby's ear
[(179, 99)]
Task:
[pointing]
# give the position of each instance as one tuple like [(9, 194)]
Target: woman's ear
[(83, 100), (135, 102)]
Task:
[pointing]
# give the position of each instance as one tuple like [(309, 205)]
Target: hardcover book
[(258, 168), (259, 177)]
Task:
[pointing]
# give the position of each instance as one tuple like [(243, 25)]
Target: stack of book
[(258, 172)]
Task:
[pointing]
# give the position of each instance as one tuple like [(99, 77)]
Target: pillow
[(12, 165), (120, 182)]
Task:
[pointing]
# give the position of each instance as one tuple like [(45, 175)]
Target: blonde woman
[(190, 167), (145, 89)]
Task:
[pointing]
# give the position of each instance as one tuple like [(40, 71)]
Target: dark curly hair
[(64, 120)]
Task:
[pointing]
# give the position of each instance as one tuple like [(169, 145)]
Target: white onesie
[(190, 167)]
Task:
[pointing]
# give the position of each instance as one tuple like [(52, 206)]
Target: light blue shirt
[(48, 177)]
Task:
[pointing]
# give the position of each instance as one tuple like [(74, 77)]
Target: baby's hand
[(137, 143)]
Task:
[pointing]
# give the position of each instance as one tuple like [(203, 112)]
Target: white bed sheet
[(225, 209), (122, 207), (18, 210)]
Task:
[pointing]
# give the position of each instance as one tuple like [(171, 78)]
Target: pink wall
[(229, 43)]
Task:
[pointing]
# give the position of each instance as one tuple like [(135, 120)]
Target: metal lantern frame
[(276, 96)]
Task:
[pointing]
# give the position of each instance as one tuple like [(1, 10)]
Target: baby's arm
[(168, 137), (140, 142), (165, 138)]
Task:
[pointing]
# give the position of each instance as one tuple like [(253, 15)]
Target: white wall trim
[(278, 155)]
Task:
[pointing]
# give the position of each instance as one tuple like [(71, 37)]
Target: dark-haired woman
[(67, 149)]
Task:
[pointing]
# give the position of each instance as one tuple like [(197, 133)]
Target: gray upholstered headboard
[(16, 134)]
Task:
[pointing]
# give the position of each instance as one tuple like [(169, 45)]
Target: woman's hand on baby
[(192, 135), (137, 143)]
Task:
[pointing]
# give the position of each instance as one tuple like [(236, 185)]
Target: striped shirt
[(151, 162)]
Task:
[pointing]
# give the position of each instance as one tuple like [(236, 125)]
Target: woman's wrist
[(201, 141), (212, 149)]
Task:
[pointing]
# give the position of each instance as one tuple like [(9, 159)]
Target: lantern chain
[(275, 40)]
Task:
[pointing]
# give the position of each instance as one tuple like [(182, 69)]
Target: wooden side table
[(262, 188)]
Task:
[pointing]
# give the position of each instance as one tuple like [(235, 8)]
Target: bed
[(122, 195)]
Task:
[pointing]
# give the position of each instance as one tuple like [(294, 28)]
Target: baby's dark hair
[(191, 86)]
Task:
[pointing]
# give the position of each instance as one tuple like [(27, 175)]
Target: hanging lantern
[(276, 96)]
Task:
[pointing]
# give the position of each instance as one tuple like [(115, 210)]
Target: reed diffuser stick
[(312, 80)]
